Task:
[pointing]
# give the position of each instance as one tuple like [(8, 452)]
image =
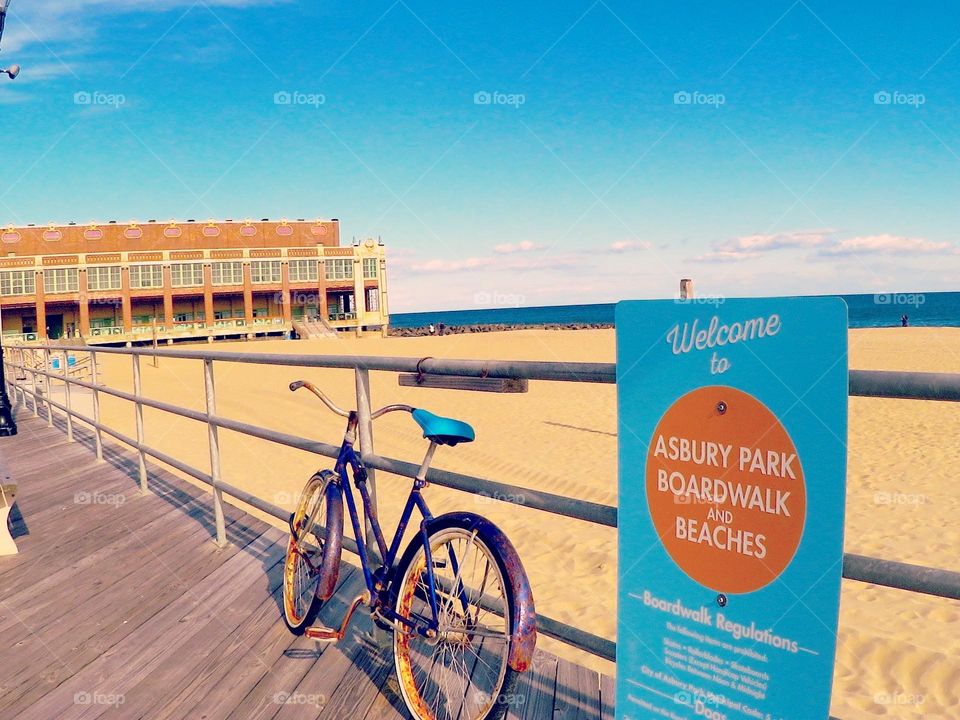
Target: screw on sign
[(726, 490)]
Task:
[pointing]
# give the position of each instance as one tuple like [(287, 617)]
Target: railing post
[(36, 389), (66, 395), (365, 431), (214, 440), (137, 391), (94, 379)]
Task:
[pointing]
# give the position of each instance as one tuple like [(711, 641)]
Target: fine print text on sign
[(732, 468)]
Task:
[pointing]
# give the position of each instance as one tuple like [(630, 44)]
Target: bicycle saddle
[(441, 430)]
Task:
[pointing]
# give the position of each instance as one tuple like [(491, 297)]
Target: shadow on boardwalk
[(121, 605)]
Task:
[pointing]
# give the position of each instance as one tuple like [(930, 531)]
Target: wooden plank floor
[(120, 605)]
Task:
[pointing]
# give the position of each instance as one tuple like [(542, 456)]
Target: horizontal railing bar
[(522, 369), (525, 497), (903, 576), (905, 385), (862, 383)]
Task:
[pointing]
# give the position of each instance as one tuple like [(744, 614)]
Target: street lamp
[(7, 425)]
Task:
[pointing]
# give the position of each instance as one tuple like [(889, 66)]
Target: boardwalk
[(120, 605)]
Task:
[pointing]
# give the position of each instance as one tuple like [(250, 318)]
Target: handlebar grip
[(297, 384)]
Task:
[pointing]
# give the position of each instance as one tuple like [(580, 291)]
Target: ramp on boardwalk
[(120, 605)]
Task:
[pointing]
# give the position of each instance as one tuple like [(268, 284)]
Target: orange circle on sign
[(725, 489)]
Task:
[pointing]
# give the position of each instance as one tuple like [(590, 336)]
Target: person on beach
[(441, 328), (431, 329), (904, 320)]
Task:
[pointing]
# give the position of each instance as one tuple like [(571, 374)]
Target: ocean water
[(939, 309)]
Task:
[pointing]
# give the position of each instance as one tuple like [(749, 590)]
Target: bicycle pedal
[(322, 634)]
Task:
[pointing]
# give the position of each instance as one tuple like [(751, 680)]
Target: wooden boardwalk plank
[(577, 695), (535, 690)]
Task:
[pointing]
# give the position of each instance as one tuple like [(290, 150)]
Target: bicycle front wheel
[(462, 672), (312, 564)]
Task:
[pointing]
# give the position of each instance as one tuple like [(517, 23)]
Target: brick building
[(127, 283)]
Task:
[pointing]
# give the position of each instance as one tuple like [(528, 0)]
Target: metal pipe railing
[(903, 385)]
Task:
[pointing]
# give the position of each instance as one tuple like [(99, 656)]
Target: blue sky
[(530, 154)]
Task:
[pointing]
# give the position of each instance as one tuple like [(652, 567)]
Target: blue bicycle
[(457, 601)]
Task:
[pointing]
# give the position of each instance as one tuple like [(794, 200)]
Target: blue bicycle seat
[(445, 431)]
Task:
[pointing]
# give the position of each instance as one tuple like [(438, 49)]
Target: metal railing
[(903, 385)]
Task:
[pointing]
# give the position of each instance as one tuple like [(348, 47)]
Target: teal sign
[(732, 432)]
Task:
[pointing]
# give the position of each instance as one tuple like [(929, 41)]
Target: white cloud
[(624, 246), (726, 256), (522, 246), (887, 245)]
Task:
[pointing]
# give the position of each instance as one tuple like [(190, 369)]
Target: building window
[(133, 233), (93, 234), (18, 282), (211, 231), (186, 274), (52, 235), (103, 278), (340, 269), (60, 280), (10, 236), (248, 231), (373, 300), (369, 268), (284, 230), (146, 276), (304, 271), (265, 271), (228, 273), (172, 231)]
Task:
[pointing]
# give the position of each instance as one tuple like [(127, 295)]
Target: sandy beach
[(898, 654)]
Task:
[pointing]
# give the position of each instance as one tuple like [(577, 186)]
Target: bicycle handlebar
[(297, 384)]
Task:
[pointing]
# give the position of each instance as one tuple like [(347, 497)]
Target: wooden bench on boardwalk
[(121, 605)]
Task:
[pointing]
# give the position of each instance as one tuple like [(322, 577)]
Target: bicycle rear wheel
[(463, 673), (312, 564)]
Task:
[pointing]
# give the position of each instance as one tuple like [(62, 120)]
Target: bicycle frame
[(378, 582)]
